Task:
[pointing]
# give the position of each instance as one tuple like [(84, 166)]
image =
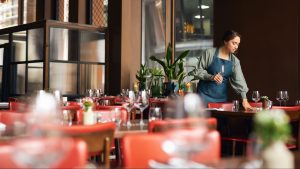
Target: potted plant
[(273, 130), (141, 76), (173, 70), (266, 103), (155, 82)]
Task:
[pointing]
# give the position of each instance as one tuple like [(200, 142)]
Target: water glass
[(279, 97), (256, 98), (155, 113), (297, 103), (235, 105), (285, 97)]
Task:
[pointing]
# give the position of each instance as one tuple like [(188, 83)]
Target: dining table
[(240, 123)]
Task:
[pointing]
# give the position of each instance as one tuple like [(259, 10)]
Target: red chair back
[(9, 118), (19, 107), (139, 149), (75, 157), (99, 137), (227, 106), (165, 125), (287, 108)]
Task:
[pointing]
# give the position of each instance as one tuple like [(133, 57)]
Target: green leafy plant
[(87, 103), (173, 70), (264, 98), (141, 76), (156, 75), (271, 126)]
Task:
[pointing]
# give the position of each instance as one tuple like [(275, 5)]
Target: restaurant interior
[(116, 84)]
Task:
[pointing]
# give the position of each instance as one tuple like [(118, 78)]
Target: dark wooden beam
[(45, 9), (78, 11), (113, 53)]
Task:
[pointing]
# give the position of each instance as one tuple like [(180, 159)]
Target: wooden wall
[(269, 45)]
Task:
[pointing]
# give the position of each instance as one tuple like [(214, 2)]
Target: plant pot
[(277, 155), (169, 88), (155, 91)]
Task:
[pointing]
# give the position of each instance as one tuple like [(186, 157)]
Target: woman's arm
[(205, 60), (237, 80)]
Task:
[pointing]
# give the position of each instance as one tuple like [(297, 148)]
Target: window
[(9, 13)]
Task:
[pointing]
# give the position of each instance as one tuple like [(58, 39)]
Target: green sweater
[(236, 80)]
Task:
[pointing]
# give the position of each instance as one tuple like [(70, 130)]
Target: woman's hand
[(218, 78), (246, 105)]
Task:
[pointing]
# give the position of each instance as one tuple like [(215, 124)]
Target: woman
[(219, 66)]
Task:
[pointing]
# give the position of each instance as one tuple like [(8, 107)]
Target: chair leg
[(233, 148), (106, 153)]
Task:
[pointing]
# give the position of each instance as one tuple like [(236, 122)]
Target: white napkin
[(219, 109), (177, 163)]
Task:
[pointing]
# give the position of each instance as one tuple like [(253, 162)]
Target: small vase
[(89, 117), (277, 155)]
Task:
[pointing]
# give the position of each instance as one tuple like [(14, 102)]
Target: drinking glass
[(40, 152), (183, 145), (222, 70), (129, 105), (142, 104), (297, 102), (256, 98), (117, 116), (235, 105), (285, 97), (155, 113), (279, 96)]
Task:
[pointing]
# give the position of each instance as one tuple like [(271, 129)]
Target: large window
[(193, 28), (153, 29), (9, 13)]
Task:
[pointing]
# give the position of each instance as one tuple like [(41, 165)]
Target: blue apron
[(210, 91)]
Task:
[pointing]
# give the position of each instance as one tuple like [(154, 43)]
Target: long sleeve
[(205, 60), (237, 79)]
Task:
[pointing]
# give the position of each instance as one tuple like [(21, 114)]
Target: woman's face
[(233, 44)]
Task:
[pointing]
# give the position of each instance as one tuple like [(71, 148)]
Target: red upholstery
[(99, 137), (227, 106), (139, 149), (287, 108), (71, 107), (9, 118), (19, 107), (75, 157), (158, 125)]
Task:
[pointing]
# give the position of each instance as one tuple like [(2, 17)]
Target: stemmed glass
[(128, 105), (142, 104), (256, 98), (279, 97), (285, 97), (183, 145)]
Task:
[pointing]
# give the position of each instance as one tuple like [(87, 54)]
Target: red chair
[(99, 137), (287, 108), (9, 118), (138, 149), (227, 106), (74, 157), (166, 125), (19, 107)]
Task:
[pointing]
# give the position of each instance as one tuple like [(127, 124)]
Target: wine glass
[(38, 152), (285, 97), (155, 113), (279, 97), (256, 98), (129, 105), (142, 104), (184, 145)]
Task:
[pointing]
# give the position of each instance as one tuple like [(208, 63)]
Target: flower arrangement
[(271, 126), (264, 98), (87, 103)]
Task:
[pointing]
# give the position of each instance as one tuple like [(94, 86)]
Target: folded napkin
[(177, 163), (219, 109)]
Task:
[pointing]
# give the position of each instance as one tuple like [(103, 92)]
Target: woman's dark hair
[(229, 35)]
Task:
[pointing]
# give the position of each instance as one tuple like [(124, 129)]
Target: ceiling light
[(203, 6), (198, 17)]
